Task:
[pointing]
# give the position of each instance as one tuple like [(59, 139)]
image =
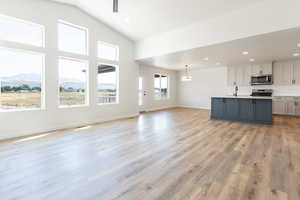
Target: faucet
[(236, 89)]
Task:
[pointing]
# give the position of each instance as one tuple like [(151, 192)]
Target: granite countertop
[(241, 97)]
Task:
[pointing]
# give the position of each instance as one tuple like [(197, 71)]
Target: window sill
[(74, 106), (21, 110), (104, 104)]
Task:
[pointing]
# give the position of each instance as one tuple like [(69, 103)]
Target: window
[(161, 83), (20, 31), (72, 38), (21, 79), (107, 84), (108, 51), (72, 82)]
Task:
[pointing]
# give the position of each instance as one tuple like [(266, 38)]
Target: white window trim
[(74, 26), (29, 23), (168, 91), (111, 45), (118, 85), (43, 96), (87, 90)]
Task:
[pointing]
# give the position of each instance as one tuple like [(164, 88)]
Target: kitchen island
[(247, 109)]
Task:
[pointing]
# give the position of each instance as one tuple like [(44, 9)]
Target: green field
[(33, 100), (13, 100)]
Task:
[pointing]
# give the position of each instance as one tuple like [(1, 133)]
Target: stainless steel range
[(262, 92)]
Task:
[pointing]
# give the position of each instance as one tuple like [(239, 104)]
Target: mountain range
[(34, 80)]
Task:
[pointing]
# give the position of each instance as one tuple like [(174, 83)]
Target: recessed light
[(298, 45), (296, 54), (245, 52), (206, 59), (252, 59)]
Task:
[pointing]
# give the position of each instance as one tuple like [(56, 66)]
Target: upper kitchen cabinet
[(262, 69), (283, 73), (296, 73), (231, 76), (239, 75)]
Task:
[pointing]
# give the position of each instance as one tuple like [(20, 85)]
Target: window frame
[(60, 21), (87, 84), (168, 87), (28, 22), (111, 45), (43, 82), (117, 84)]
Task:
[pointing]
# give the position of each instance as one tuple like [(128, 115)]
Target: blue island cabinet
[(242, 109)]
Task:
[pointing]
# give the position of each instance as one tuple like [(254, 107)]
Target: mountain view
[(34, 80)]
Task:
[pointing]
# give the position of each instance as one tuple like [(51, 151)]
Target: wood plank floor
[(176, 154)]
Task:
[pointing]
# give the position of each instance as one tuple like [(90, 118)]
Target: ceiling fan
[(115, 6)]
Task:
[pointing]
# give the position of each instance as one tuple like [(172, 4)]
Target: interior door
[(142, 94)]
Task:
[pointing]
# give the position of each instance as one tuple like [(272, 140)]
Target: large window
[(107, 84), (72, 38), (21, 79), (108, 51), (20, 31), (161, 83), (72, 82)]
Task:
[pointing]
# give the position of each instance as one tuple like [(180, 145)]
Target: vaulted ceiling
[(139, 19)]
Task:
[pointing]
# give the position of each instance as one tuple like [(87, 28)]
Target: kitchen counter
[(242, 97), (247, 109)]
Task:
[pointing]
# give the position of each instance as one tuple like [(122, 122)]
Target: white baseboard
[(160, 108), (196, 107), (14, 134)]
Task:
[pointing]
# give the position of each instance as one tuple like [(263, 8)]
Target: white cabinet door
[(262, 69), (297, 108), (267, 68), (279, 107), (283, 73), (256, 70), (247, 75), (240, 75), (231, 76), (296, 73), (290, 108)]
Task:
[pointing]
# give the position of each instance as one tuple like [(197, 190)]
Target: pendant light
[(115, 6), (186, 76)]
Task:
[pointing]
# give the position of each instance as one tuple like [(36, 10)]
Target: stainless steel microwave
[(262, 80)]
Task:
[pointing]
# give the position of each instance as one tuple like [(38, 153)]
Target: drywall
[(48, 13), (149, 102), (206, 82), (264, 17)]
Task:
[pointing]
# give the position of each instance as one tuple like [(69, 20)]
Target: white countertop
[(241, 97)]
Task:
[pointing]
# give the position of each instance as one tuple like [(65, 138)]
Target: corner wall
[(47, 13)]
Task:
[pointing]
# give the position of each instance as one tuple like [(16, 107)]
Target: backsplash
[(277, 90)]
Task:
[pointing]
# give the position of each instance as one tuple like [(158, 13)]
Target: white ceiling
[(268, 47), (139, 19)]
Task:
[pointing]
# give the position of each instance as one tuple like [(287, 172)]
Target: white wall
[(206, 82), (264, 17), (150, 104), (47, 13)]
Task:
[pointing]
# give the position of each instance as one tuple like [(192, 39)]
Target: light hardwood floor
[(176, 154)]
